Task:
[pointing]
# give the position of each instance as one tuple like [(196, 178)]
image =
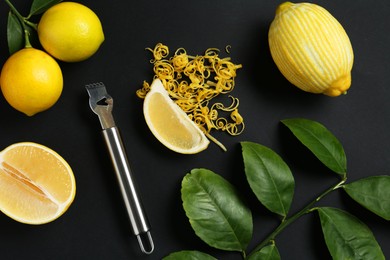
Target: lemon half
[(36, 184), (170, 124)]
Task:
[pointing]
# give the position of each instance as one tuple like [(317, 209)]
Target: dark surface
[(96, 226)]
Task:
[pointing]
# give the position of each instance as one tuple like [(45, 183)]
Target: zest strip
[(193, 81)]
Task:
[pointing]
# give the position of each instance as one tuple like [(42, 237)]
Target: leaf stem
[(287, 221), (31, 24), (24, 24)]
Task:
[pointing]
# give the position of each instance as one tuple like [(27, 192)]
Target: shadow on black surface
[(265, 79), (298, 156), (316, 239)]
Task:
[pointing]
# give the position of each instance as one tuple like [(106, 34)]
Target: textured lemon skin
[(311, 48), (31, 81), (70, 32)]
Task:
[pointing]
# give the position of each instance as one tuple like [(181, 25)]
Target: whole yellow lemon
[(70, 32), (311, 48), (31, 81)]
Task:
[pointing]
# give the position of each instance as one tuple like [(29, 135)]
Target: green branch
[(286, 222)]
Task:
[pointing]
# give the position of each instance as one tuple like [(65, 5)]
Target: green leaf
[(347, 237), (40, 6), (189, 255), (266, 253), (215, 211), (372, 193), (15, 33), (321, 142), (269, 177)]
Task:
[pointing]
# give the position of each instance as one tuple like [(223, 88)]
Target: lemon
[(70, 32), (170, 124), (36, 184), (311, 48), (31, 81)]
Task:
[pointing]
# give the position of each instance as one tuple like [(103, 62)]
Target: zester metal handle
[(135, 210)]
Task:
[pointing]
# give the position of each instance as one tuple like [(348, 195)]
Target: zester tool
[(101, 104)]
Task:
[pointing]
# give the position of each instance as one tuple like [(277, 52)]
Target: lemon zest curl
[(193, 81)]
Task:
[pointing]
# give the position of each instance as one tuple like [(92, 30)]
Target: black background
[(96, 226)]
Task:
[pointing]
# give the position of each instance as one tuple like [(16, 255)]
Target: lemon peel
[(70, 32), (31, 81), (311, 48)]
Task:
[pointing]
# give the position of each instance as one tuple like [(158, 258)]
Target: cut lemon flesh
[(36, 184), (170, 124)]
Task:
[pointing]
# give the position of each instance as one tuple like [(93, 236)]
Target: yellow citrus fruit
[(36, 184), (70, 32), (170, 124), (311, 48), (31, 81)]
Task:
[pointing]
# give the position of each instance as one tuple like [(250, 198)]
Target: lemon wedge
[(170, 124)]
